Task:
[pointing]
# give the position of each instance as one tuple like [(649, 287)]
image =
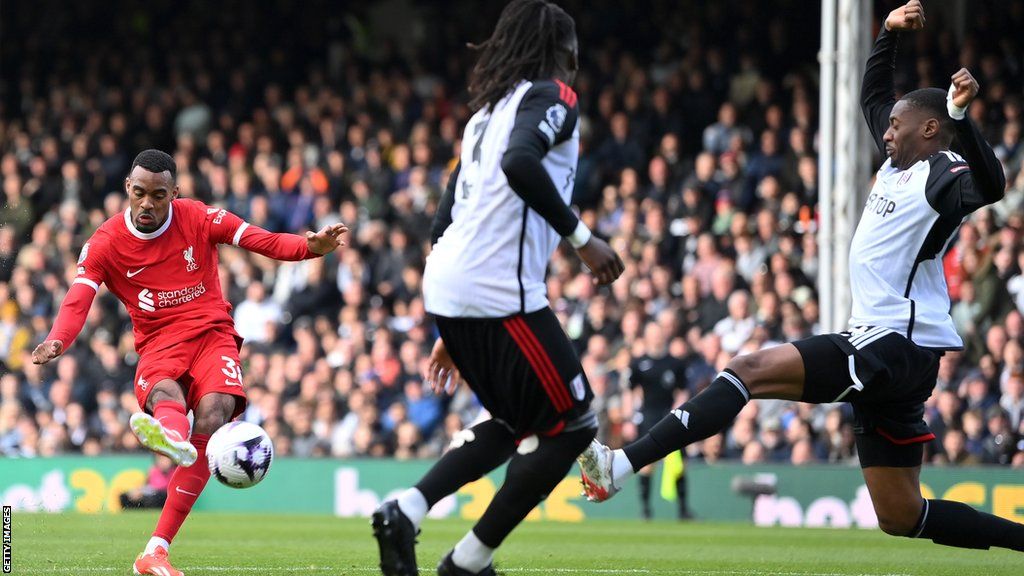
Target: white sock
[(472, 554), (622, 468), (413, 504), (157, 542)]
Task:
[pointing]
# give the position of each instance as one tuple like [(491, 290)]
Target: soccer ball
[(239, 454)]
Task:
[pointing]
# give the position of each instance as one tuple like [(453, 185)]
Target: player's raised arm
[(986, 183), (547, 116), (227, 228), (74, 309), (878, 95)]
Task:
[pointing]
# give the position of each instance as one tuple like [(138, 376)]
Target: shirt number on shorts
[(233, 371)]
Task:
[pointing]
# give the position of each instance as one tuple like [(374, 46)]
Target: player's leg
[(644, 475), (215, 394), (538, 465), (681, 492), (187, 483), (773, 373), (213, 411), (163, 426), (541, 387), (896, 495), (473, 453)]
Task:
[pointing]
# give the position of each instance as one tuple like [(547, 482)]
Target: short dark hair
[(933, 102), (156, 161)]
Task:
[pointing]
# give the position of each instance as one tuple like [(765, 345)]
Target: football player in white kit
[(887, 363), (502, 216)]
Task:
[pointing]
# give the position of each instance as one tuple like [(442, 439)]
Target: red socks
[(185, 487), (171, 416)]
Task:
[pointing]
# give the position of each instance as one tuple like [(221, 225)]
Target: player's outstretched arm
[(66, 327), (291, 247), (987, 183), (228, 228), (878, 94)]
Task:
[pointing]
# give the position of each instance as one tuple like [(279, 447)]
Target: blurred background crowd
[(698, 163)]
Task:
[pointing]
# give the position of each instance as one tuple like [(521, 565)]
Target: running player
[(502, 216), (160, 259), (887, 364)]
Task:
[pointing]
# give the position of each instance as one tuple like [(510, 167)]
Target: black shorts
[(886, 378), (523, 368)]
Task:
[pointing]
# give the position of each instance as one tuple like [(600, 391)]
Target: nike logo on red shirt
[(131, 274)]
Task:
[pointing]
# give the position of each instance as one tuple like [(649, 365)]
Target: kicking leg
[(773, 373), (166, 431), (187, 483), (896, 496), (536, 468), (475, 452)]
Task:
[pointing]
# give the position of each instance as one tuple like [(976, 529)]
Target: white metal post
[(826, 118)]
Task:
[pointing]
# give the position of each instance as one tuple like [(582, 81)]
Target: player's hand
[(47, 351), (965, 88), (910, 16), (442, 375), (603, 262), (326, 240)]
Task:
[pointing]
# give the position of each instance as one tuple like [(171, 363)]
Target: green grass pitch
[(221, 545)]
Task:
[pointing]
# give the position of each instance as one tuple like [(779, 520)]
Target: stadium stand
[(698, 163)]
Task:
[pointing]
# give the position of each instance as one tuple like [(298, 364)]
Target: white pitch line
[(359, 569)]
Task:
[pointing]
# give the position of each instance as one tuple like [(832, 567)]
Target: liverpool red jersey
[(168, 279)]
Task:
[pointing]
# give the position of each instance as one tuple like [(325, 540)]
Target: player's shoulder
[(945, 167), (552, 91), (196, 211), (108, 232), (947, 160), (189, 207)]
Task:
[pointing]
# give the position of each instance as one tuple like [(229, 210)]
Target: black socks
[(532, 474), (705, 415), (956, 524), (484, 447)]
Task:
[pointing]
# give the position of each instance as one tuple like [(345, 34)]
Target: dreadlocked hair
[(524, 46)]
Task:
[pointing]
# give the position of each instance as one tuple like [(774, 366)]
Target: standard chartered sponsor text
[(180, 296)]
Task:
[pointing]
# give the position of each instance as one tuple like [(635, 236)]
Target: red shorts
[(201, 366)]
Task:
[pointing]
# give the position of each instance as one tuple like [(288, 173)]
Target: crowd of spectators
[(698, 162)]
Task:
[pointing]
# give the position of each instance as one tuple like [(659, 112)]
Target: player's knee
[(165, 391), (749, 367), (213, 412), (898, 520), (209, 422)]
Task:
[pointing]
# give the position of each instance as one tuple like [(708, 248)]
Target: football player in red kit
[(160, 259)]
